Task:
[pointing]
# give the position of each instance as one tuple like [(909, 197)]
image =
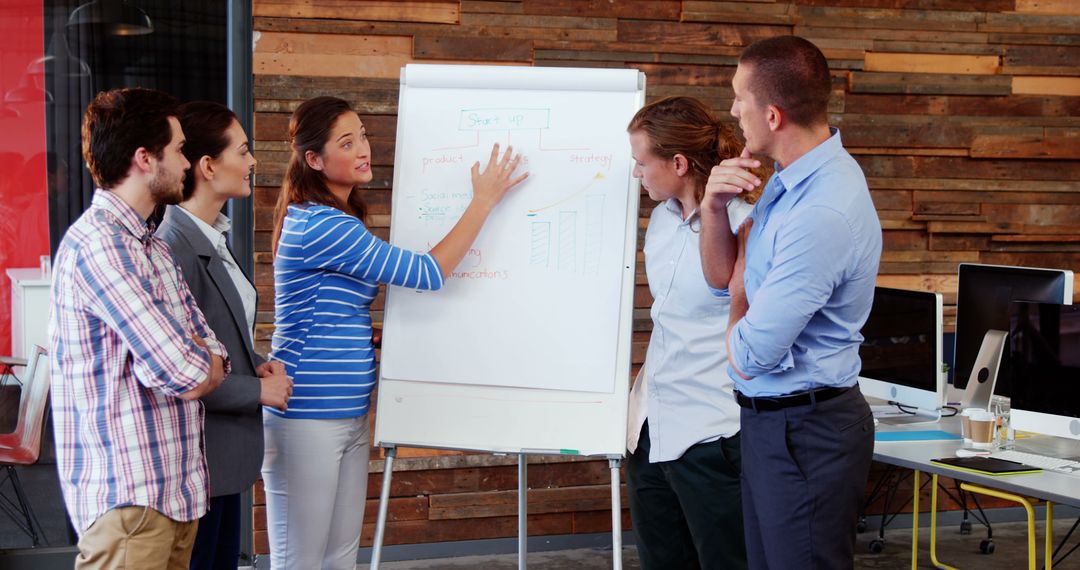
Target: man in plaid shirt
[(130, 351)]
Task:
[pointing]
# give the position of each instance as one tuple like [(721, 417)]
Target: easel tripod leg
[(523, 497), (616, 515), (384, 505)]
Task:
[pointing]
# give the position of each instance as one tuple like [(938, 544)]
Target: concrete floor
[(955, 549)]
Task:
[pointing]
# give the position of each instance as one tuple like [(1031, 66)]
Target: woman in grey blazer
[(221, 163)]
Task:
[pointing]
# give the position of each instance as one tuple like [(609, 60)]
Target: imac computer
[(1044, 358), (982, 307), (901, 349)]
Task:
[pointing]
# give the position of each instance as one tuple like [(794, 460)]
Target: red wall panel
[(24, 209)]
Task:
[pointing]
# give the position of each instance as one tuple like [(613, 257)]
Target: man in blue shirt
[(811, 254)]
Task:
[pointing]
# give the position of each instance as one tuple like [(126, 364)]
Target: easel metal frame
[(614, 464)]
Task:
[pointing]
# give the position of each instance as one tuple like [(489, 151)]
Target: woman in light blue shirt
[(683, 437)]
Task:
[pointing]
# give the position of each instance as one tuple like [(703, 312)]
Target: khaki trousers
[(136, 538)]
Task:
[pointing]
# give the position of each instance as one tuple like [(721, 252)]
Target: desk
[(916, 455)]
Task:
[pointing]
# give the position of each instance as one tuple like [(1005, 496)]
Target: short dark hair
[(119, 122), (205, 124), (792, 74)]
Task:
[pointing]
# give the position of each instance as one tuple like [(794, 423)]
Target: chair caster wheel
[(877, 545), (860, 527), (965, 527), (986, 546)]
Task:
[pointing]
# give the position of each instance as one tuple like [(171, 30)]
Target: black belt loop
[(813, 399)]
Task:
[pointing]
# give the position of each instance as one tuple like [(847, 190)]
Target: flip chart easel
[(526, 349)]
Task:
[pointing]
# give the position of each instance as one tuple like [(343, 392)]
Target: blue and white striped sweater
[(327, 272)]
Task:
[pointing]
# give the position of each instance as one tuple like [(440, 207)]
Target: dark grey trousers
[(687, 513), (804, 473)]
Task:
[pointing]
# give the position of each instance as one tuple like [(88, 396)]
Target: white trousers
[(315, 474)]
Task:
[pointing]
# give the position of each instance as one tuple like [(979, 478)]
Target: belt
[(773, 403)]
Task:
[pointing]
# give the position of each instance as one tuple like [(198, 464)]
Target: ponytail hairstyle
[(309, 130), (205, 124), (686, 126)]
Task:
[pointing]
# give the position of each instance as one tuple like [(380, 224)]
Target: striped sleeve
[(337, 242), (120, 278)]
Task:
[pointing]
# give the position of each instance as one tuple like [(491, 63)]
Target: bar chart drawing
[(594, 234), (576, 249), (568, 241), (540, 244)]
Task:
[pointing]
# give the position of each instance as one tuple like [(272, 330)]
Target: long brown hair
[(309, 130), (686, 126)]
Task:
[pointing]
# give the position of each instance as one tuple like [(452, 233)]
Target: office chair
[(22, 446)]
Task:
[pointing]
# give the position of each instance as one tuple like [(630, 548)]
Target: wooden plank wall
[(964, 116)]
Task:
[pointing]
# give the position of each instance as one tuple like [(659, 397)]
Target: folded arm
[(810, 257)]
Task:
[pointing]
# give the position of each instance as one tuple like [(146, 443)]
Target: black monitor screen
[(982, 303), (1044, 348), (900, 339)]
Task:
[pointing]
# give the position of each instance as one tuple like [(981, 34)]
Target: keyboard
[(1058, 464)]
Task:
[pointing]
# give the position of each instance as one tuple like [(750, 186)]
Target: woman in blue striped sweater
[(327, 270)]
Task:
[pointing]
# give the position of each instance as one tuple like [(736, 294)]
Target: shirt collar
[(129, 218), (214, 233), (808, 163), (675, 207)]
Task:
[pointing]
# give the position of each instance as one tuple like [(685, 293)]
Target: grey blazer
[(233, 429)]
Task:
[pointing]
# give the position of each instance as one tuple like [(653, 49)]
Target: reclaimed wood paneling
[(696, 34), (442, 12), (741, 12), (1005, 146), (656, 10), (930, 83), (286, 53), (932, 63), (891, 19), (479, 49), (1068, 86), (964, 116), (1019, 23), (987, 5), (505, 503), (1066, 7)]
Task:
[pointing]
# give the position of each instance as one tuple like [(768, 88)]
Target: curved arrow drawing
[(599, 176)]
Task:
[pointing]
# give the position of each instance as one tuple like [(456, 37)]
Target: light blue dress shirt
[(812, 261), (683, 388)]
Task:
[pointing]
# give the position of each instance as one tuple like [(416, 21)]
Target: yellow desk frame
[(1049, 542)]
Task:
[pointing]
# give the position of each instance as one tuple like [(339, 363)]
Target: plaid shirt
[(120, 329)]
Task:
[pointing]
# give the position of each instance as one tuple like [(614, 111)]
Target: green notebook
[(986, 465)]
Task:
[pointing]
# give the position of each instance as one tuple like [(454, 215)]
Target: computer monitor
[(901, 349), (1044, 350), (982, 304)]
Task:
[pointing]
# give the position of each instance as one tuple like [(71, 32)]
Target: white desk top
[(1048, 485), (26, 276)]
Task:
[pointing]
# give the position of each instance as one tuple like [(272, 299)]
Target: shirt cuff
[(189, 373), (720, 292), (742, 359), (217, 348)]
